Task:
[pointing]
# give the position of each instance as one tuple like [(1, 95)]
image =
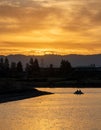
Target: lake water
[(60, 111)]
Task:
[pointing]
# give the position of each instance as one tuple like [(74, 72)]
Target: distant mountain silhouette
[(46, 60)]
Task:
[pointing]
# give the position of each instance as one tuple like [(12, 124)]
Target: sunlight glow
[(45, 51), (41, 27)]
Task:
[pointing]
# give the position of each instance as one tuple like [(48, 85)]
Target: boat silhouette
[(78, 92)]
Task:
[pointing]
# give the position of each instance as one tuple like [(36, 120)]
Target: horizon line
[(50, 54)]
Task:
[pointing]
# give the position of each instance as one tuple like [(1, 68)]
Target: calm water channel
[(60, 111)]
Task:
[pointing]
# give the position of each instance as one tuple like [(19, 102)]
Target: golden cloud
[(49, 24)]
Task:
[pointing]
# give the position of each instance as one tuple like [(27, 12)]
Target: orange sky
[(50, 27)]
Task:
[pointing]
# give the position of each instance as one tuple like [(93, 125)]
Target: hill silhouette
[(46, 60)]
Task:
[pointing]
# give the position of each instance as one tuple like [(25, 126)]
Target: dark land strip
[(15, 96)]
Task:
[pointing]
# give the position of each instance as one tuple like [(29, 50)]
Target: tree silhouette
[(32, 68), (1, 61), (6, 63), (51, 70), (19, 67), (13, 69), (65, 67), (6, 67), (36, 65), (1, 67)]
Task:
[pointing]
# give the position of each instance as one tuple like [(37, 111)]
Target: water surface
[(60, 111)]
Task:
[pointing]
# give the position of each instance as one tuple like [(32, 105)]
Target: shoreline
[(21, 95)]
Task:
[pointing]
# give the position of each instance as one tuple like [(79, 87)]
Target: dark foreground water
[(60, 111)]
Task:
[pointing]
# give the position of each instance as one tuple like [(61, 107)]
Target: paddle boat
[(78, 92)]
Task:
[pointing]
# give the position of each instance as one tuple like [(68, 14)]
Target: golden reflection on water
[(60, 111)]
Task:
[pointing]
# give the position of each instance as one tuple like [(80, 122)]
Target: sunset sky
[(38, 27)]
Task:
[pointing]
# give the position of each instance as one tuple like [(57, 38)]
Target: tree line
[(32, 69)]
